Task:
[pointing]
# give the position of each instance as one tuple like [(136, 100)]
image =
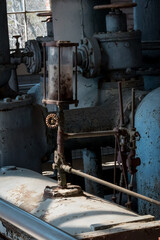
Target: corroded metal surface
[(148, 124), (75, 215), (22, 127), (25, 189)]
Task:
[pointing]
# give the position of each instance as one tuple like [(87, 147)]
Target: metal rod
[(23, 12), (108, 184), (44, 64), (123, 162), (90, 134), (30, 224), (115, 165), (76, 73), (121, 104), (133, 108), (59, 72)]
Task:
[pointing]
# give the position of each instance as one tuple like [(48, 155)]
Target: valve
[(45, 14), (115, 6), (17, 51), (116, 20), (52, 121)]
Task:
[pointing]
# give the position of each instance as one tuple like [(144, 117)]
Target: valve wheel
[(115, 6), (52, 121)]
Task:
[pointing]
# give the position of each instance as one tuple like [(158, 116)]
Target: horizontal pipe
[(30, 224), (110, 185), (90, 134)]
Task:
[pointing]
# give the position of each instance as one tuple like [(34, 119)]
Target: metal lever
[(17, 51), (115, 6), (121, 104), (133, 109)]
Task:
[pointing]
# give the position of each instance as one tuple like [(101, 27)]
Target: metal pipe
[(76, 73), (90, 134), (59, 73), (110, 185), (30, 224), (133, 108), (45, 69), (121, 103)]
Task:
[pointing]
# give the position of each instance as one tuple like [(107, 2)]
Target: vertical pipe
[(4, 44), (76, 73), (133, 108), (44, 64), (59, 72), (121, 103)]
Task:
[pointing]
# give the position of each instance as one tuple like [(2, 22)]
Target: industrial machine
[(79, 105)]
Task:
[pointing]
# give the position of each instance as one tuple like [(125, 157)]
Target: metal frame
[(25, 16), (58, 44)]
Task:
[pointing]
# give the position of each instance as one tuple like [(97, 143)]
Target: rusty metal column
[(60, 148), (4, 45)]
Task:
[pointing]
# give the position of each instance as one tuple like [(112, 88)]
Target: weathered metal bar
[(90, 134), (30, 224), (133, 108), (76, 73), (45, 69), (121, 103), (108, 184)]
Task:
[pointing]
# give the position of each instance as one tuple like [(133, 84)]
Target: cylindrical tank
[(74, 20), (4, 44), (23, 139), (146, 19), (147, 121), (116, 21)]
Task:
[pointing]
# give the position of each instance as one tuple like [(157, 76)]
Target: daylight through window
[(23, 20)]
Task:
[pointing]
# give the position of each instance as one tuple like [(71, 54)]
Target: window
[(23, 20)]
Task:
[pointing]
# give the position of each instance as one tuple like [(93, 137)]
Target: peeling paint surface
[(147, 122), (75, 215)]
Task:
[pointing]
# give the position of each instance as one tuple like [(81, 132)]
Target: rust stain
[(25, 199)]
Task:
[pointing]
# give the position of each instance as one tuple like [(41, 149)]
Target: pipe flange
[(33, 63), (90, 57), (52, 120)]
